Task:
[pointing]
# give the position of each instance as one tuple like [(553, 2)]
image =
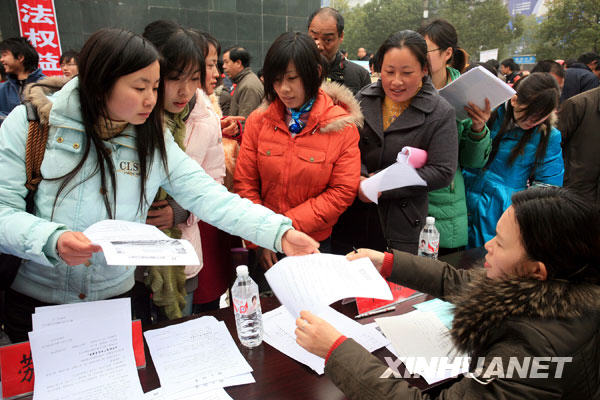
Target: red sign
[(37, 22), (16, 364)]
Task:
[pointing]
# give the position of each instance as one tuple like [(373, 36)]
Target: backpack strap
[(37, 136)]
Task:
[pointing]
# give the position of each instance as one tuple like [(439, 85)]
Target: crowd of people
[(161, 128)]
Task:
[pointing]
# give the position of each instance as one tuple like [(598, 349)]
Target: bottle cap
[(430, 220), (241, 270)]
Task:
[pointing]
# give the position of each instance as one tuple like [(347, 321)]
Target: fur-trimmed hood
[(331, 120), (484, 306), (37, 93)]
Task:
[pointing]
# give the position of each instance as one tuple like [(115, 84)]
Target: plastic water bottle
[(429, 239), (246, 306)]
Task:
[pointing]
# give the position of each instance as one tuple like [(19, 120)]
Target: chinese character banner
[(37, 22)]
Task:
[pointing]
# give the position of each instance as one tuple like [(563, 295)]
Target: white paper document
[(473, 87), (87, 358), (399, 174), (162, 394), (314, 281), (118, 310), (132, 243), (424, 345), (198, 354), (279, 326)]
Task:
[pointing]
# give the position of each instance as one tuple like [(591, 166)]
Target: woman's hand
[(361, 195), (75, 248), (296, 243), (479, 116), (375, 256), (229, 126), (266, 258), (315, 334), (160, 215)]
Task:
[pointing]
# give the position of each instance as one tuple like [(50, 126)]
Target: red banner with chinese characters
[(16, 365), (37, 22)]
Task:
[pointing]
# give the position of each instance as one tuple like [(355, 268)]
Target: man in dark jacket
[(20, 60), (326, 27), (578, 79), (579, 118), (247, 92)]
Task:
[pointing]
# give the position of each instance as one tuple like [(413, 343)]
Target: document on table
[(279, 326), (117, 309), (421, 340), (90, 359), (442, 309), (399, 174), (314, 281), (132, 243), (199, 354), (162, 394), (474, 86)]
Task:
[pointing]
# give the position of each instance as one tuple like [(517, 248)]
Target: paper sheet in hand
[(196, 353), (474, 86), (421, 335), (399, 174), (132, 243), (314, 281), (279, 326)]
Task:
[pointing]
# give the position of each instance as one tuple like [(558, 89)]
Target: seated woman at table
[(300, 155), (538, 296)]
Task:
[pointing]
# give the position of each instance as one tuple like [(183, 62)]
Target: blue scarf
[(296, 125)]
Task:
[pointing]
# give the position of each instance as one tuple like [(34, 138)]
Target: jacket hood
[(36, 75), (485, 305), (332, 114), (37, 93)]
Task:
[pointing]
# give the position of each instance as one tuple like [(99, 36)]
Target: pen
[(375, 312), (355, 251)]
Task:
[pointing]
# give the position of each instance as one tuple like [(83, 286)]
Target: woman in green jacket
[(448, 205), (538, 296)]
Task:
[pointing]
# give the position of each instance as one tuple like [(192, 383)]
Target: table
[(280, 377)]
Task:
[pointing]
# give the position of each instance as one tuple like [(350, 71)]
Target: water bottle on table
[(246, 306), (429, 239)]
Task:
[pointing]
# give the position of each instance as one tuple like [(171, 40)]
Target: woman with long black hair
[(106, 157)]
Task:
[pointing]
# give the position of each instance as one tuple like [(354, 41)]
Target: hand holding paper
[(400, 174)]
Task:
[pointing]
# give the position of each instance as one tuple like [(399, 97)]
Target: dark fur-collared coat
[(513, 318)]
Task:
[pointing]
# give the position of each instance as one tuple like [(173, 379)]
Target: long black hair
[(561, 230), (538, 94), (299, 48), (409, 39), (182, 50), (443, 34), (105, 57)]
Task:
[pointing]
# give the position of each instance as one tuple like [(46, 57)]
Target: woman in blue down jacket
[(106, 157), (525, 150)]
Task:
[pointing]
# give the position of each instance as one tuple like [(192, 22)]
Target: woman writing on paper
[(448, 205), (300, 155), (525, 149), (106, 157), (537, 297), (401, 109)]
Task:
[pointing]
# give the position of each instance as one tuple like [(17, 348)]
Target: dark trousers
[(17, 311)]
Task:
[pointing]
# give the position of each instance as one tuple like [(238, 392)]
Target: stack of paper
[(196, 356), (279, 326), (84, 351), (424, 345)]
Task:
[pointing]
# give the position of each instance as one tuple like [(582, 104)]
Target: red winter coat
[(311, 178)]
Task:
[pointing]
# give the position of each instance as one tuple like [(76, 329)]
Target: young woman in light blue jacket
[(106, 157)]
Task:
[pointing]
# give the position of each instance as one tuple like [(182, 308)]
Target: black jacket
[(578, 79), (429, 123), (351, 75)]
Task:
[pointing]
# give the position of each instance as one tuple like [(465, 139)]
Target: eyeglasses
[(68, 65), (429, 51)]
